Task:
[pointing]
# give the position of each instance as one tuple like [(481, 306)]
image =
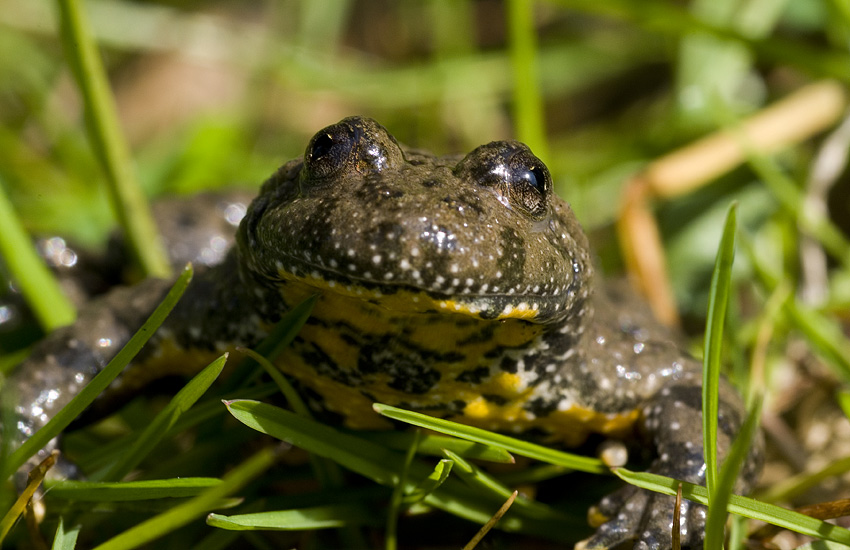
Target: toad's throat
[(409, 299), (396, 348), (495, 373)]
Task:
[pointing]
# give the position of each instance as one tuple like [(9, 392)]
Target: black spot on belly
[(495, 399), (407, 371), (541, 407), (413, 378), (450, 357), (484, 335), (473, 376), (325, 366), (509, 365)]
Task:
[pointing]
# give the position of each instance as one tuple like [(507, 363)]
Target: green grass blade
[(165, 420), (318, 517), (375, 462), (743, 506), (178, 516), (108, 141), (211, 407), (394, 509), (478, 478), (822, 545), (431, 444), (431, 483), (714, 527), (65, 539), (96, 491), (528, 102), (511, 444), (18, 508), (292, 398), (50, 305), (844, 402), (717, 303), (382, 465), (100, 382)]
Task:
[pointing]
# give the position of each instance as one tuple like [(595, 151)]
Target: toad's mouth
[(485, 302)]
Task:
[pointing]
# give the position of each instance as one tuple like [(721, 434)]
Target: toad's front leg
[(673, 421)]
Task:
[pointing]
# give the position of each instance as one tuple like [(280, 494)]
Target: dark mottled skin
[(458, 286)]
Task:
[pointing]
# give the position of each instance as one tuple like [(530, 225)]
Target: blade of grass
[(822, 545), (714, 526), (165, 420), (844, 402), (103, 455), (131, 490), (50, 305), (394, 509), (108, 141), (511, 444), (431, 444), (99, 383), (178, 516), (476, 477), (292, 398), (380, 464), (36, 476), (717, 303), (302, 519), (743, 506), (479, 536), (65, 539), (368, 459), (431, 483)]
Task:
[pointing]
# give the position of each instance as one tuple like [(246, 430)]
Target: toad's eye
[(329, 152), (510, 169), (353, 146)]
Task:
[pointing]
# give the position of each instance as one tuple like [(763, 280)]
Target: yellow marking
[(404, 300), (477, 409), (508, 382)]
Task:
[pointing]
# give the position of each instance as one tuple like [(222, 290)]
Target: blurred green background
[(220, 93)]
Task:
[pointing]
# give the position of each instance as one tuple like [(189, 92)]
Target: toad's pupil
[(322, 146), (534, 177)]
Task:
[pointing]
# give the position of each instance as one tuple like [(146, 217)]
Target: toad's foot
[(643, 520)]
